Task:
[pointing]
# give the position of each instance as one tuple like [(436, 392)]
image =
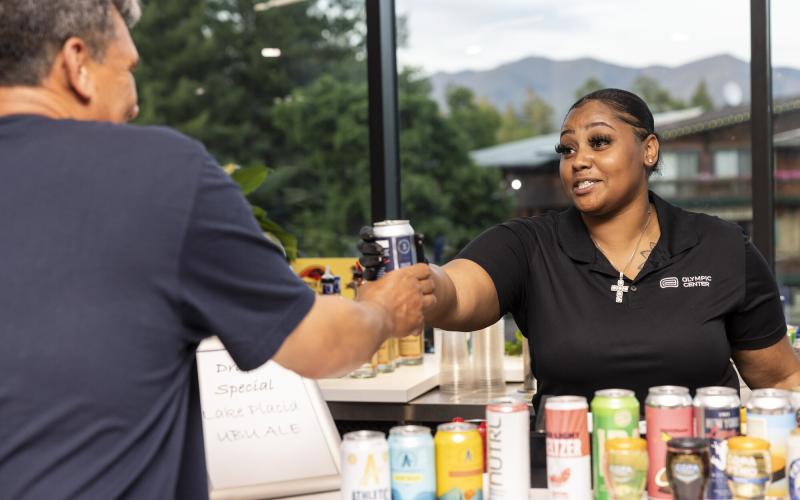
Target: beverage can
[(365, 466), (397, 238), (413, 463), (569, 470), (459, 461), (615, 414), (508, 449), (717, 418), (794, 396), (626, 467), (770, 416), (668, 412), (687, 467), (748, 466), (793, 464), (481, 424)]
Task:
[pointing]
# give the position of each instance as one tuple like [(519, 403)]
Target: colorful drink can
[(481, 424), (397, 238), (615, 414), (716, 418), (508, 449), (794, 396), (793, 464), (770, 416), (569, 470), (365, 466), (687, 467), (748, 467), (626, 468), (413, 463), (668, 412), (459, 462)]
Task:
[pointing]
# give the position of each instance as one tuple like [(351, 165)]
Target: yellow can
[(459, 461)]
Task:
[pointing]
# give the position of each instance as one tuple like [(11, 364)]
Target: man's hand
[(401, 296)]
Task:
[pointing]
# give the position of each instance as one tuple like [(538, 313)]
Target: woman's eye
[(563, 149), (598, 142)]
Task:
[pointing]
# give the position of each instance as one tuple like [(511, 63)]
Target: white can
[(793, 464), (365, 466), (508, 449), (569, 463)]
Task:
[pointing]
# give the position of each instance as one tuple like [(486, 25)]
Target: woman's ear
[(651, 151)]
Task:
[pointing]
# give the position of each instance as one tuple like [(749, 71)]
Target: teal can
[(413, 464)]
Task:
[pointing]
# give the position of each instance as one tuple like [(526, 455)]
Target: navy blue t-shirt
[(122, 248)]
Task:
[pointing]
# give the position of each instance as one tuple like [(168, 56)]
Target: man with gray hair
[(124, 247)]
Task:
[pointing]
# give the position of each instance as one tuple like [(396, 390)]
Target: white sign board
[(268, 432)]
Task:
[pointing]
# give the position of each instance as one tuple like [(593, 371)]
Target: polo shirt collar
[(678, 232)]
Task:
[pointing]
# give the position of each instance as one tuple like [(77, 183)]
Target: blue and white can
[(397, 238), (716, 418), (793, 464), (770, 416), (413, 463)]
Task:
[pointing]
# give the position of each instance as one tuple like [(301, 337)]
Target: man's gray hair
[(33, 31)]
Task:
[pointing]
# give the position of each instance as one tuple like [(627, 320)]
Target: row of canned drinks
[(413, 465), (693, 447)]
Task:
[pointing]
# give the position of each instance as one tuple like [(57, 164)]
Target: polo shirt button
[(633, 288)]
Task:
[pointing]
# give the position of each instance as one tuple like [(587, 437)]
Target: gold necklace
[(621, 288)]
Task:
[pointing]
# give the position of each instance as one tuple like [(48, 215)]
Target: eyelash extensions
[(594, 141)]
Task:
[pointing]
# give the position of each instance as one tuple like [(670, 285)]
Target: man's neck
[(38, 100)]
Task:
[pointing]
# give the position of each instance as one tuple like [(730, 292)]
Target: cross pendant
[(619, 288)]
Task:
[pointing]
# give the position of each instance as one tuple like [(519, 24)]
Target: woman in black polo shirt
[(623, 289)]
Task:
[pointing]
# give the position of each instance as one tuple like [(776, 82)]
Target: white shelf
[(402, 385)]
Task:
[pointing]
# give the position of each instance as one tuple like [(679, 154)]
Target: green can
[(615, 414)]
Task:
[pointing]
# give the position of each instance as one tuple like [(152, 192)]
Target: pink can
[(668, 412), (569, 470)]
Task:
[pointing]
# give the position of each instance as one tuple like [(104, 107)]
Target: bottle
[(328, 282)]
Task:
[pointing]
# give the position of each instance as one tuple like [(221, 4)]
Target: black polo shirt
[(704, 292)]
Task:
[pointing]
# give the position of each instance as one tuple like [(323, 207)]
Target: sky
[(453, 35)]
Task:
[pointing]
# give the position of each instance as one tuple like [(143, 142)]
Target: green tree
[(657, 98), (203, 72), (589, 86), (479, 121), (535, 118), (701, 98)]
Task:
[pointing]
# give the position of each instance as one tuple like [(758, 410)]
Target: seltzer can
[(569, 469), (459, 461), (615, 414), (365, 466), (770, 416), (508, 449), (668, 412), (481, 424), (413, 463), (793, 464), (716, 418)]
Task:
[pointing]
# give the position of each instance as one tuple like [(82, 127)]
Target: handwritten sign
[(267, 431)]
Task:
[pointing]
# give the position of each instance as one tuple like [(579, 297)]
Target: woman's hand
[(774, 366)]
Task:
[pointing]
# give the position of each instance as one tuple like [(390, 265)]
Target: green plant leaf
[(250, 178), (286, 240)]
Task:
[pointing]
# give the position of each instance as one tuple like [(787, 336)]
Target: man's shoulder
[(137, 138)]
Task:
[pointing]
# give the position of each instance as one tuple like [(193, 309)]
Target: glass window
[(506, 72), (277, 84), (726, 164), (786, 144)]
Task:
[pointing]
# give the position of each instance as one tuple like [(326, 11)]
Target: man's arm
[(338, 335)]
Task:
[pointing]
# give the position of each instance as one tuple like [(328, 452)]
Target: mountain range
[(727, 80)]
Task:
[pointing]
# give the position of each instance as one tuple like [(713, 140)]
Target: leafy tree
[(203, 73), (590, 85), (701, 98), (658, 98), (479, 121), (535, 118)]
